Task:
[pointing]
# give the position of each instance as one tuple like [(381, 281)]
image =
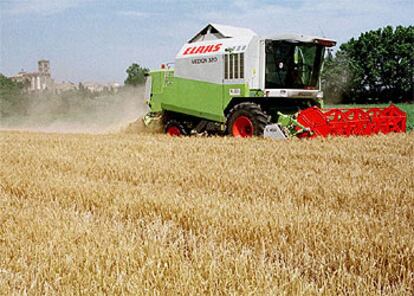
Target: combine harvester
[(228, 80)]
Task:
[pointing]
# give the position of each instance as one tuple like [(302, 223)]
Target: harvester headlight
[(319, 95)]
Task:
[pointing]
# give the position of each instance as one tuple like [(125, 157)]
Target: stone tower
[(44, 68), (44, 80)]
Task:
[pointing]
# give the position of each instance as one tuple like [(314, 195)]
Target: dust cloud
[(74, 112)]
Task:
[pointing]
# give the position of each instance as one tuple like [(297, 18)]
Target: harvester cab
[(228, 80), (292, 65)]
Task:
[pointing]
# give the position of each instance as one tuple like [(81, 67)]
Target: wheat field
[(150, 214)]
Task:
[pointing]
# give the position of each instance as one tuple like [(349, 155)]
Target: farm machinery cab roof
[(230, 80)]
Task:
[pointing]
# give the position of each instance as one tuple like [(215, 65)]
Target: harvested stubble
[(150, 214)]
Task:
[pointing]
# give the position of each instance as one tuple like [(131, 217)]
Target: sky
[(96, 40)]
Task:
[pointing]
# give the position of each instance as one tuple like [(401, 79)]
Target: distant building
[(96, 87), (93, 86), (42, 81), (36, 81), (61, 87)]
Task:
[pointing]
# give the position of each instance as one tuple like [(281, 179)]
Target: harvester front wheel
[(246, 120), (175, 128)]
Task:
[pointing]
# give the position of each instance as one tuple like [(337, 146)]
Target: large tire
[(246, 120), (175, 128)]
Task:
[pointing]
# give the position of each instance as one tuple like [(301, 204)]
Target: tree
[(8, 86), (337, 78), (136, 75), (11, 96), (376, 67)]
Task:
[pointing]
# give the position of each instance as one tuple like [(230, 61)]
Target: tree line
[(377, 67)]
